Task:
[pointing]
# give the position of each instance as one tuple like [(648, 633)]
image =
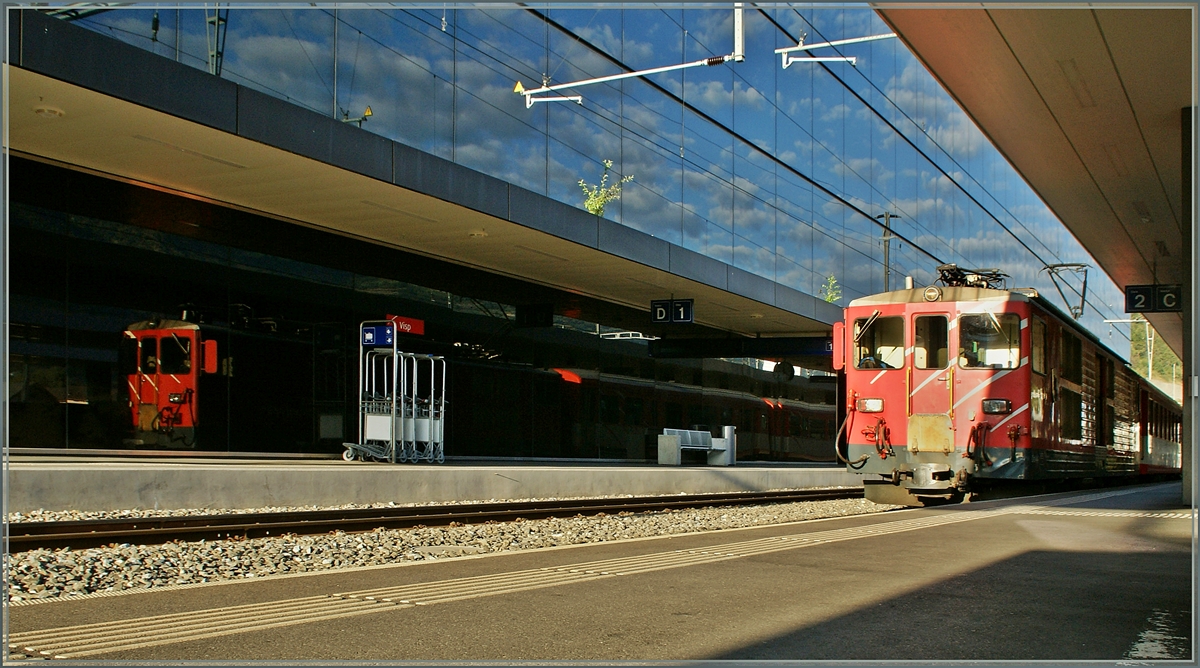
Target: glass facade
[(783, 172), (285, 323), (865, 173)]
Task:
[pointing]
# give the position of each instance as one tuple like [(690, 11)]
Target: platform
[(111, 483)]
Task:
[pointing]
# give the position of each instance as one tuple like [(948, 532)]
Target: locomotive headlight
[(869, 405), (997, 406), (175, 397)]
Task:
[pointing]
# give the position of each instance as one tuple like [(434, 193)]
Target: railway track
[(82, 534)]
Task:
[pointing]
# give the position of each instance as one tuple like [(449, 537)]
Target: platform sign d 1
[(672, 310), (681, 310), (1155, 298)]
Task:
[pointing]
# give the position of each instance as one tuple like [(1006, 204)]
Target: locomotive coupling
[(960, 480)]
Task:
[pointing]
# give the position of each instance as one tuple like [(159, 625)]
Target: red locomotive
[(162, 362), (956, 385)]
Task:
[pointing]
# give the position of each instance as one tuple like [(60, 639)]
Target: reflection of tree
[(595, 197), (830, 291)]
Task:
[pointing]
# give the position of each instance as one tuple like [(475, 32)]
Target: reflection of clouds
[(715, 94), (493, 131), (926, 105), (837, 112), (603, 37), (869, 169)]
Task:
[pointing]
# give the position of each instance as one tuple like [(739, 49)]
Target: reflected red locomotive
[(162, 362), (263, 385), (956, 385)]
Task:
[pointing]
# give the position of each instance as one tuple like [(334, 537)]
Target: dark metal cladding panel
[(693, 265), (13, 47), (744, 283), (827, 312), (76, 55), (478, 191), (790, 299), (281, 124), (553, 217), (421, 172), (430, 174), (635, 245), (361, 151)]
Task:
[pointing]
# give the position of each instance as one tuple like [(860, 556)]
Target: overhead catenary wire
[(748, 143), (930, 160)]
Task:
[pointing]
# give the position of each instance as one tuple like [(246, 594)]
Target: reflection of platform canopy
[(1085, 102)]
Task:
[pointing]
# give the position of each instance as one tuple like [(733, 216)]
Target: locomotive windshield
[(878, 342), (989, 341), (176, 354)]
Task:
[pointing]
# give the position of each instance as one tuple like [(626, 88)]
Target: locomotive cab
[(162, 361), (935, 379), (950, 388)]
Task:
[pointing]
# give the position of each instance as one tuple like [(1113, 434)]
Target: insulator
[(715, 60)]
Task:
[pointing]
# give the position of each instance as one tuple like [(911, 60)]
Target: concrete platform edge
[(113, 486)]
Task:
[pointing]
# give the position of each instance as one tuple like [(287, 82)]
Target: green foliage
[(1145, 344), (831, 291), (595, 197)]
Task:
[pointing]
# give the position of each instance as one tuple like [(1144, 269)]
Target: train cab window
[(931, 341), (879, 342), (989, 341), (127, 356), (149, 356), (1037, 356), (176, 354)]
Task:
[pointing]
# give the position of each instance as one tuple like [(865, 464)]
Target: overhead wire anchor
[(789, 60), (529, 99), (738, 55)]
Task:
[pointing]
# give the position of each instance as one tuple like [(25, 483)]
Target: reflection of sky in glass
[(780, 172)]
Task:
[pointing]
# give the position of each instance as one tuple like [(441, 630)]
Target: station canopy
[(1088, 103)]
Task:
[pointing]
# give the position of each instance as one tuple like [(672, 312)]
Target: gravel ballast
[(42, 575)]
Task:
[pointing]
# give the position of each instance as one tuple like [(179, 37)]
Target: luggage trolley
[(402, 405)]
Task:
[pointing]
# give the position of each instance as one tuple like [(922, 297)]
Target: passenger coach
[(951, 386)]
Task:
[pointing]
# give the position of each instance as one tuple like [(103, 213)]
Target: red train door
[(929, 390), (931, 384)]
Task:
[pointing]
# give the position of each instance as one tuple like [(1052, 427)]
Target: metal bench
[(721, 451)]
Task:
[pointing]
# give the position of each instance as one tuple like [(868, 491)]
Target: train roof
[(162, 324), (948, 294)]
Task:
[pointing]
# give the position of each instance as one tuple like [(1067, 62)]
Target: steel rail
[(82, 534)]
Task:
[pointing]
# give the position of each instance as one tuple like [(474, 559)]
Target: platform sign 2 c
[(672, 310), (1153, 298)]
